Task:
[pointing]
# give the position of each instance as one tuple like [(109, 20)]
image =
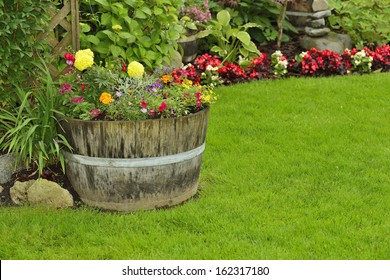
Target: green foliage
[(263, 12), (231, 42), (140, 30), (366, 21), (20, 20), (30, 128)]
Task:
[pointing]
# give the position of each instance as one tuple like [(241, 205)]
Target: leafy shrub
[(366, 21), (144, 31), (20, 20), (31, 127), (264, 13), (231, 42)]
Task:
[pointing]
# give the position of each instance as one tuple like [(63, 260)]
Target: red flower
[(162, 107), (69, 58), (144, 104), (83, 87)]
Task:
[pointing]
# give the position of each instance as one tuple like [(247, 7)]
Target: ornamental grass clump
[(118, 91)]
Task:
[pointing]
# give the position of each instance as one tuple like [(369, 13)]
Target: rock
[(18, 192), (321, 14), (316, 23), (320, 5), (301, 6), (317, 32), (7, 167), (48, 193), (334, 42), (1, 189)]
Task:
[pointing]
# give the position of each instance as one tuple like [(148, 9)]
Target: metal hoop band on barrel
[(135, 162)]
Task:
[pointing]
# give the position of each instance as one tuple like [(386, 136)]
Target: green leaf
[(103, 47), (252, 48), (104, 3), (203, 33), (244, 37), (85, 27), (93, 39), (157, 11), (146, 10), (223, 17), (218, 50), (106, 19), (115, 50), (139, 14)]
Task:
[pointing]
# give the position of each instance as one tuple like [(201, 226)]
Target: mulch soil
[(55, 173)]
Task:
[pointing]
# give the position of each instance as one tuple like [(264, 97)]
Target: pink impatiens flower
[(65, 88), (77, 99), (94, 113)]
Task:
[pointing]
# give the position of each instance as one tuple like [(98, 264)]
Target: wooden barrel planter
[(134, 165), (190, 48)]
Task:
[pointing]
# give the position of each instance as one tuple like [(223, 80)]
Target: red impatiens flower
[(163, 107), (144, 104), (69, 59)]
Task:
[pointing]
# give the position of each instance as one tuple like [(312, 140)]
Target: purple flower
[(118, 94), (144, 110)]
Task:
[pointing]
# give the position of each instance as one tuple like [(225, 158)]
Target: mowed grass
[(293, 169)]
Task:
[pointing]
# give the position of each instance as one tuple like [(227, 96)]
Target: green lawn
[(293, 169)]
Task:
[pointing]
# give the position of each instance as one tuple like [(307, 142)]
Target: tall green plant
[(142, 30), (231, 42), (20, 20), (31, 127), (366, 21)]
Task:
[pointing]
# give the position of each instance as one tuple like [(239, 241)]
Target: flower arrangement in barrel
[(116, 91)]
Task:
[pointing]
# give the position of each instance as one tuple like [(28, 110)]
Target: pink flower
[(198, 104), (78, 99), (94, 113), (65, 88), (152, 112), (198, 96)]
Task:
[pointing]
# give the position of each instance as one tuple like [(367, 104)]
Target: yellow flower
[(105, 98), (186, 83), (206, 98), (135, 69), (83, 59), (117, 27)]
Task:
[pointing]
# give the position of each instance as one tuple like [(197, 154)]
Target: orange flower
[(105, 98), (166, 78)]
